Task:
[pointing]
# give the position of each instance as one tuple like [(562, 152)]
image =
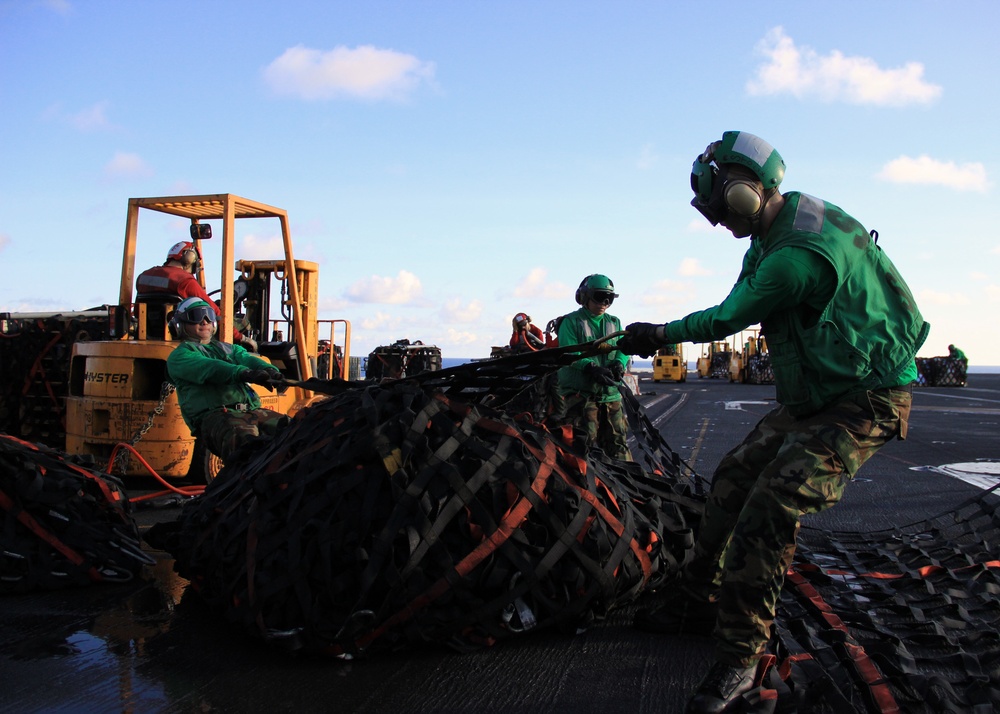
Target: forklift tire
[(205, 465)]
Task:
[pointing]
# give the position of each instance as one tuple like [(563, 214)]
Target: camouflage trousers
[(225, 431), (603, 423), (785, 468)]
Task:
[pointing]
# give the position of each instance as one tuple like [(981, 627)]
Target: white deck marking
[(981, 474)]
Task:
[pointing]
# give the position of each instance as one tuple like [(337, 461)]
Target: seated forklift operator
[(177, 277), (213, 383)]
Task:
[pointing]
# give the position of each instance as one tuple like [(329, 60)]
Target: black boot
[(721, 688)]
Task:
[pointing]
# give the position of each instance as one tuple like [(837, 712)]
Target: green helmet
[(596, 284), (191, 312), (736, 147)]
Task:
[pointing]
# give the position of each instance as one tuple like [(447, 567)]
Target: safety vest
[(867, 334), (578, 327)]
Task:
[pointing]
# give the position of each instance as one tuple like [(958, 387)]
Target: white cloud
[(648, 158), (405, 287), (365, 72), (934, 297), (256, 247), (691, 267), (381, 321), (537, 285), (127, 165), (993, 293), (92, 118), (461, 338), (932, 172), (701, 225), (4, 241), (669, 292), (455, 310), (61, 7), (803, 72)]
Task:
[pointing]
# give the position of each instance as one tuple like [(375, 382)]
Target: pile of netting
[(61, 523), (905, 619), (759, 369), (431, 510), (941, 372), (35, 363)]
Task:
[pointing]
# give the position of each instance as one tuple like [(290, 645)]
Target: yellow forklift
[(714, 360), (669, 364), (118, 388), (749, 361)]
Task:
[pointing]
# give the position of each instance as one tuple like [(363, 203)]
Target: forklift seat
[(158, 307)]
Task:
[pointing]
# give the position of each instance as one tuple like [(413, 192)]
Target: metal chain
[(121, 461)]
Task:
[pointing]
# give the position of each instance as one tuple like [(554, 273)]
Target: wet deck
[(152, 646)]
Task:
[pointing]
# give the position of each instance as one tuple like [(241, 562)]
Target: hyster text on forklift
[(115, 389)]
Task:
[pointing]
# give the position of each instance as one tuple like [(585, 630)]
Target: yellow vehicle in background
[(669, 364), (714, 360), (118, 389), (750, 363)]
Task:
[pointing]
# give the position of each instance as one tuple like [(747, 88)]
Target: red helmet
[(179, 253)]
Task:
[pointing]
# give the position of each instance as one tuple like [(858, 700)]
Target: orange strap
[(863, 665)]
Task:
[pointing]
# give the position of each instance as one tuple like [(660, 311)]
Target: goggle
[(196, 315), (603, 297)]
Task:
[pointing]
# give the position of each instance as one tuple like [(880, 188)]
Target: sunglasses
[(603, 297)]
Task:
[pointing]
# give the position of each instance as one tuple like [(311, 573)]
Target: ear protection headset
[(742, 197), (734, 177), (581, 292)]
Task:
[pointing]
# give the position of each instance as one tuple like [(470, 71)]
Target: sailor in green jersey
[(587, 393), (842, 329), (213, 379)]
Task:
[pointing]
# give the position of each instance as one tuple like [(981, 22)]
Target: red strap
[(863, 665), (27, 520)]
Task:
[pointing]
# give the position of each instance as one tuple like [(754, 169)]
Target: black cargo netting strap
[(61, 524), (905, 619), (410, 512)]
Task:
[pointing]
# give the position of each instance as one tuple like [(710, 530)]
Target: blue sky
[(451, 163)]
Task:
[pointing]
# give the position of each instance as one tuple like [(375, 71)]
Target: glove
[(601, 375), (617, 370), (263, 377), (641, 338), (249, 343)]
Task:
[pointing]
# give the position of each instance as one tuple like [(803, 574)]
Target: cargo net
[(35, 363), (758, 369), (941, 372), (719, 366), (402, 359), (61, 524), (432, 510), (906, 619)]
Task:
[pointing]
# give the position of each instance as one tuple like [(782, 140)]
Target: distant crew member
[(842, 329), (957, 354), (525, 336), (177, 277), (586, 391)]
